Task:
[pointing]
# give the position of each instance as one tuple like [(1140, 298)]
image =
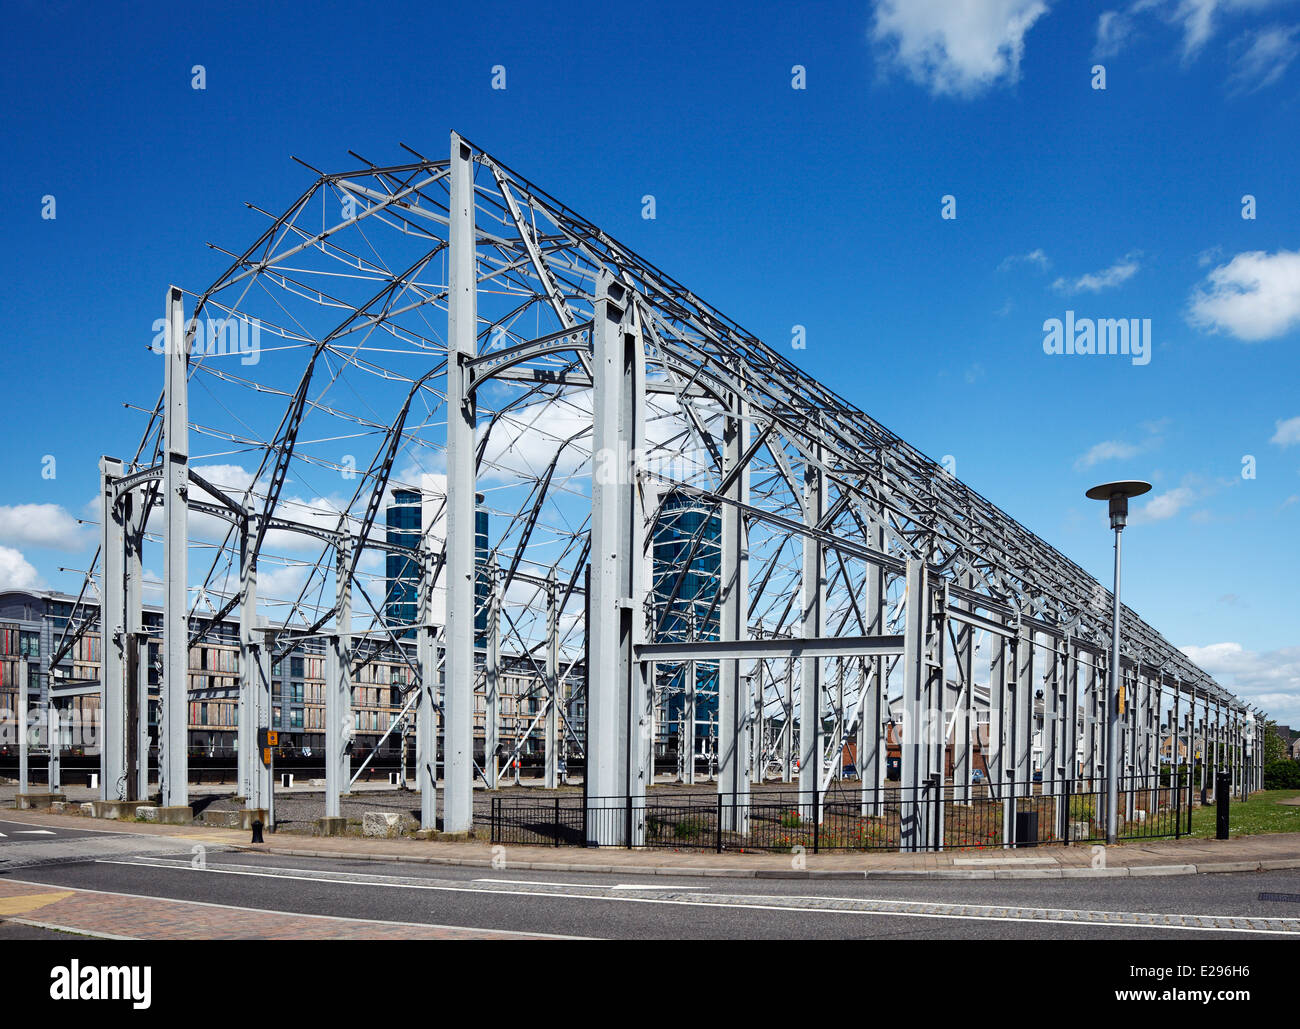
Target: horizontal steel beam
[(724, 650), (59, 690)]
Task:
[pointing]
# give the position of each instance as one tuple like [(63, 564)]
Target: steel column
[(961, 736), (462, 345), (733, 675), (53, 737), (617, 720), (338, 685), (24, 728), (492, 677), (112, 669), (135, 518), (552, 671), (1022, 685), (173, 728), (914, 749), (426, 727), (813, 587), (249, 675)]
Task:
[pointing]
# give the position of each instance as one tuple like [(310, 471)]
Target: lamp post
[(1248, 774), (1118, 494)]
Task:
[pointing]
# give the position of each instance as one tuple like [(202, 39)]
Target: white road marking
[(634, 886), (34, 832), (587, 886), (797, 905), (80, 828)]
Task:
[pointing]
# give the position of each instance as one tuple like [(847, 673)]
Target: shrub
[(1282, 775), (688, 828)]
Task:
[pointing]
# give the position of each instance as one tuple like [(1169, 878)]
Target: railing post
[(719, 823), (557, 820), (494, 820), (817, 819), (937, 780), (1065, 812), (1178, 802), (1222, 790)]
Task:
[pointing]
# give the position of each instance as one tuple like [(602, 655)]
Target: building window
[(30, 644)]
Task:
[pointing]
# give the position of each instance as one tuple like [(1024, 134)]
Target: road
[(118, 884)]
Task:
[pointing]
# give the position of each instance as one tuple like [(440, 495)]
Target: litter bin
[(1026, 828)]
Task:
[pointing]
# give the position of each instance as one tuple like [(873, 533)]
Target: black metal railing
[(927, 817)]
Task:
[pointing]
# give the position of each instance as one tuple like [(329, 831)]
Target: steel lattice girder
[(372, 309)]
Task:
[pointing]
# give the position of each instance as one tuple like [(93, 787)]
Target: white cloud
[(1254, 296), (1113, 32), (1288, 432), (1036, 257), (16, 573), (1094, 282), (1107, 450), (42, 525), (1270, 680), (1163, 505), (1122, 450), (956, 49), (1264, 57), (523, 443), (1198, 21)]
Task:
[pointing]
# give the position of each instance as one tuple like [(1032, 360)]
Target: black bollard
[(1222, 789), (257, 832)]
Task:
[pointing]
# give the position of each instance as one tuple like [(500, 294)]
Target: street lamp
[(1247, 779), (1118, 494)]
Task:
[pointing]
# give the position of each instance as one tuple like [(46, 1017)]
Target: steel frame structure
[(464, 323)]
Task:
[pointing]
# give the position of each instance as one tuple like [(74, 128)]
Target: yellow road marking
[(30, 902)]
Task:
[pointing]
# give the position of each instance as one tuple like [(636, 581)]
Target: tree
[(1282, 775), (1275, 747)]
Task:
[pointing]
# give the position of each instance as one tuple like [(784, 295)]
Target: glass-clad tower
[(687, 569), (404, 517)]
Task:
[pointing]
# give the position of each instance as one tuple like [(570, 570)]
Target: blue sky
[(819, 207)]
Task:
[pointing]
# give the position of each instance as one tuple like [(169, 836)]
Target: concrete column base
[(31, 801), (116, 809), (178, 815), (250, 815), (332, 825)]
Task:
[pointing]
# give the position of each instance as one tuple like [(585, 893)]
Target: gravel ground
[(298, 810)]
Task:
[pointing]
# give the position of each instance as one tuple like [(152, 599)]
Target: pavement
[(1187, 856), (63, 877), (142, 882)]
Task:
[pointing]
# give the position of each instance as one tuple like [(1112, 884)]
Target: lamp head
[(1118, 493)]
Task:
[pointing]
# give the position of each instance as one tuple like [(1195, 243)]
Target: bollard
[(257, 832), (1222, 789)]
